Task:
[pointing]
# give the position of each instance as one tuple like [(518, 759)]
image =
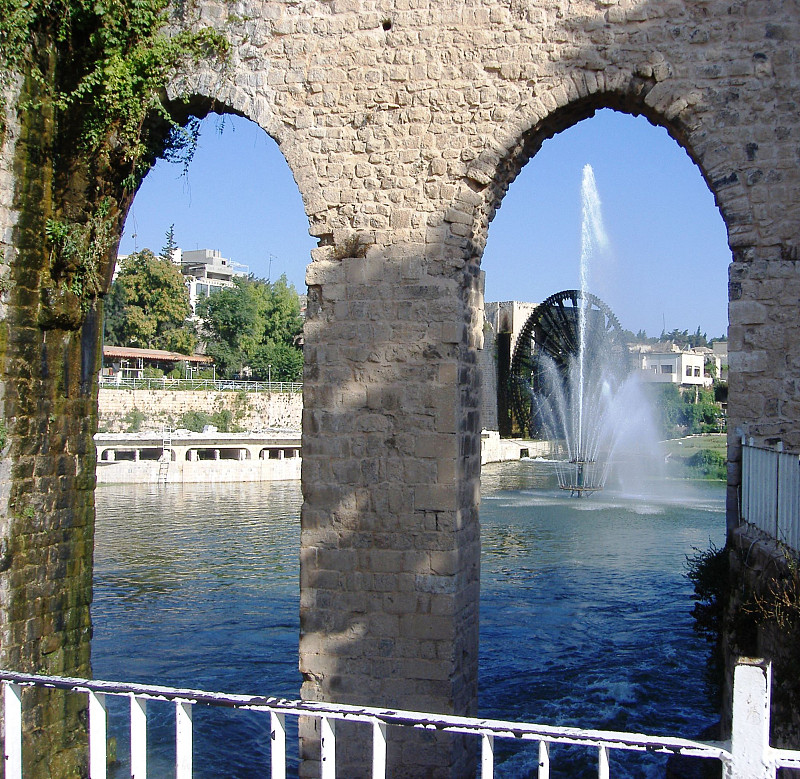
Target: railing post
[(544, 760), (138, 737), (183, 740), (750, 759), (603, 771), (12, 702), (97, 735), (378, 750), (327, 732), (277, 755), (487, 756)]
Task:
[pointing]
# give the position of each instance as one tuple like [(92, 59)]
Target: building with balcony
[(669, 364), (206, 272)]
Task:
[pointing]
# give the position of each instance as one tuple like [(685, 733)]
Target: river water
[(585, 612)]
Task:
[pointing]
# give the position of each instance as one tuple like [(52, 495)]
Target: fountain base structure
[(580, 477)]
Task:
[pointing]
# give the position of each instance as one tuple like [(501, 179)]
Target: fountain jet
[(571, 373)]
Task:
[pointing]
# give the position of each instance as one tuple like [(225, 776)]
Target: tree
[(148, 305), (684, 412), (233, 325), (254, 324), (277, 361), (168, 250)]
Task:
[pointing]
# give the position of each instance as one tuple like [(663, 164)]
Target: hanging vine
[(113, 60), (96, 72)]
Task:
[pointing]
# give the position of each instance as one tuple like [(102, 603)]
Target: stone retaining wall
[(119, 409)]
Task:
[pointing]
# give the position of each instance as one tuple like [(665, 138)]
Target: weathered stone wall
[(762, 619), (404, 122), (46, 464), (119, 408)]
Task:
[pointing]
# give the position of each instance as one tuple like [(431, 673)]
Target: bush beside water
[(697, 457), (707, 464)]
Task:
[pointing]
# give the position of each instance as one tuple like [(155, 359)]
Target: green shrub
[(134, 419), (709, 572), (197, 420), (709, 464)]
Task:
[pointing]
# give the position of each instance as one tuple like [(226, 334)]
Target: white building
[(206, 272), (672, 366)]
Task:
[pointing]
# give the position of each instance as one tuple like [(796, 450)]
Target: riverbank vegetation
[(709, 572), (697, 456), (686, 411)]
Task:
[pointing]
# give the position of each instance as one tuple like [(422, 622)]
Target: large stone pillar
[(49, 347), (390, 541)]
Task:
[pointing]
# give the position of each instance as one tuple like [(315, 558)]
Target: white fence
[(771, 492), (219, 385), (747, 756)]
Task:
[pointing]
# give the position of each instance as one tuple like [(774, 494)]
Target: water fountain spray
[(571, 372)]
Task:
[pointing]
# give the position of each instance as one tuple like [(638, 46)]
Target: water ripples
[(585, 612)]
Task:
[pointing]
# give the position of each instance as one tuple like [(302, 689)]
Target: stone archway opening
[(236, 192), (237, 196), (541, 219), (667, 256)]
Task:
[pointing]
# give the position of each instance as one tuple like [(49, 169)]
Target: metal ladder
[(166, 455)]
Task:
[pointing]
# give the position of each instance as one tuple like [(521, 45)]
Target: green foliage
[(134, 420), (254, 324), (168, 250), (721, 390), (77, 252), (683, 337), (708, 464), (709, 572), (112, 60), (197, 420), (277, 361), (148, 305), (685, 412)]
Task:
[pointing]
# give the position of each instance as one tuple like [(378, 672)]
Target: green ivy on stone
[(113, 59)]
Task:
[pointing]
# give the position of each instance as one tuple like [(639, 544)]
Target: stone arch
[(495, 169), (194, 97)]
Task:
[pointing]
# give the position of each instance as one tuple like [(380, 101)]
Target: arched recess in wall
[(666, 265)]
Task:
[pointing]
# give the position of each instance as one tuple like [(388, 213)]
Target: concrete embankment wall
[(121, 409), (205, 472), (499, 450)]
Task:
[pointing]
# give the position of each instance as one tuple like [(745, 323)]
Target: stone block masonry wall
[(389, 549), (49, 410), (250, 410), (404, 123)]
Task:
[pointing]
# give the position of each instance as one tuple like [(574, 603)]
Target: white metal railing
[(771, 492), (217, 385), (747, 755)]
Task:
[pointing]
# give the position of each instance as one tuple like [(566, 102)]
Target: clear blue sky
[(668, 260)]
